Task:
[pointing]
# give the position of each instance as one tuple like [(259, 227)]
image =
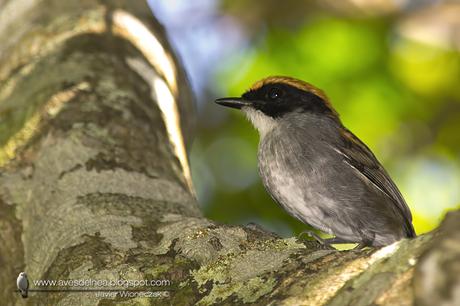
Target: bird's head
[(269, 100), (23, 274)]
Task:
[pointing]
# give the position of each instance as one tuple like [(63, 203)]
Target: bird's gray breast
[(293, 174)]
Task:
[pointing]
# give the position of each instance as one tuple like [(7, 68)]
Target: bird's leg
[(320, 240), (336, 240), (329, 241), (360, 246)]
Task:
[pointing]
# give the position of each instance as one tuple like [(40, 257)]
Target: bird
[(317, 169), (23, 284)]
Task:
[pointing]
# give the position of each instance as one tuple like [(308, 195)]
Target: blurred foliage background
[(391, 69)]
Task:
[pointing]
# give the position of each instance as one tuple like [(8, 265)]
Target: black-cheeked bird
[(318, 170)]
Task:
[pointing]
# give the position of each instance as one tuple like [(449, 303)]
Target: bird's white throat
[(261, 122)]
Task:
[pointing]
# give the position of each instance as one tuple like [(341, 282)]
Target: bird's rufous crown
[(299, 84)]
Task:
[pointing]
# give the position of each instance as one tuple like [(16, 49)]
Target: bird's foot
[(360, 246), (324, 242)]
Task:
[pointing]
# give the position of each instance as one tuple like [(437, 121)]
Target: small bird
[(23, 284), (318, 170)]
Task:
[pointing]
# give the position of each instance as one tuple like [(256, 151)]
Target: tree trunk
[(95, 118)]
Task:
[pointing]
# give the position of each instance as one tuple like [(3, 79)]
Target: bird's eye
[(275, 93)]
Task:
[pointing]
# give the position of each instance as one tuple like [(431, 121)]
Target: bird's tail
[(409, 229)]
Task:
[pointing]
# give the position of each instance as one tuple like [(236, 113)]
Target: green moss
[(247, 292), (244, 275), (256, 288)]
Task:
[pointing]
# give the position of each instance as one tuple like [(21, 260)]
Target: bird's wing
[(360, 157)]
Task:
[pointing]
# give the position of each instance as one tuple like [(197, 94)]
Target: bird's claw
[(317, 238)]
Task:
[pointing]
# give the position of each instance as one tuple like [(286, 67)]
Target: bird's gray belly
[(317, 189), (296, 199), (299, 186), (324, 193)]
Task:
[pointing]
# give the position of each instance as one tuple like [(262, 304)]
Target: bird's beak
[(233, 102)]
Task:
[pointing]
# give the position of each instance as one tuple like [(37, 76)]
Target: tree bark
[(95, 119)]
